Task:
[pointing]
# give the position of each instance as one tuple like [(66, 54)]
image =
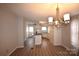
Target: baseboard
[(57, 44), (14, 50), (66, 48), (20, 47)]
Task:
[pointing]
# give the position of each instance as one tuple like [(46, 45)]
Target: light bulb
[(56, 22)]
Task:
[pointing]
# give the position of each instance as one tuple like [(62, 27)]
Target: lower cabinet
[(38, 40)]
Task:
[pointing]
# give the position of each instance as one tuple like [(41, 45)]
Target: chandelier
[(58, 22)]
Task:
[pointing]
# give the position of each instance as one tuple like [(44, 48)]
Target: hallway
[(46, 49)]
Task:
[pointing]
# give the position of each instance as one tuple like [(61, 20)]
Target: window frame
[(45, 31)]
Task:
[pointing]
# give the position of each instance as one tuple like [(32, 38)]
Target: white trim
[(57, 44), (66, 48), (14, 50), (20, 47)]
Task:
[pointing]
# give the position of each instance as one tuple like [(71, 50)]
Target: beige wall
[(66, 40), (8, 32)]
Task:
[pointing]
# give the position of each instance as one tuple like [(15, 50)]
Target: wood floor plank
[(46, 49)]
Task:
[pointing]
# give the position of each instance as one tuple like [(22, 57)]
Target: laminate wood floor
[(46, 49)]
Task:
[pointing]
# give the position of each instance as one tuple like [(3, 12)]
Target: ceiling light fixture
[(59, 21)]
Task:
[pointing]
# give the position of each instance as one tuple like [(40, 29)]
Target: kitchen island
[(38, 39)]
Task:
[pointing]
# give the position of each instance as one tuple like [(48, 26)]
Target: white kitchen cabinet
[(38, 40)]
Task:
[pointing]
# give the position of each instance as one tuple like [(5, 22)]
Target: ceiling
[(40, 11)]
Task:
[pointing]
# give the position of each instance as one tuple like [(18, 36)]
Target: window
[(44, 29), (31, 29)]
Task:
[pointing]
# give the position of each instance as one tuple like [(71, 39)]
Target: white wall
[(20, 31), (57, 36), (8, 32), (51, 34), (75, 31), (71, 33)]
